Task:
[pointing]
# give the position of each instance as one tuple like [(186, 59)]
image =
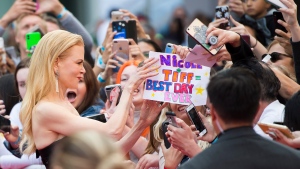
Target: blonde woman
[(88, 150), (47, 117)]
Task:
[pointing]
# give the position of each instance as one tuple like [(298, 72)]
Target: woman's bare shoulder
[(45, 107)]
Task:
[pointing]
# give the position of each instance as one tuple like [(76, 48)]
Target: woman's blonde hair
[(41, 78), (89, 150), (157, 128)]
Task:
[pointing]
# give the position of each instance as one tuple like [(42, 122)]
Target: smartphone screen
[(223, 12), (120, 28), (196, 120), (32, 39), (98, 117), (110, 91), (4, 124), (171, 118)]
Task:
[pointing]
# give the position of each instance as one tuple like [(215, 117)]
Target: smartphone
[(32, 40), (4, 124), (12, 52), (116, 15), (131, 31), (197, 30), (283, 129), (122, 48), (278, 15), (98, 117), (110, 95), (191, 42), (120, 28), (36, 28), (169, 48), (165, 129), (246, 38), (3, 55), (277, 3), (223, 12), (195, 119)]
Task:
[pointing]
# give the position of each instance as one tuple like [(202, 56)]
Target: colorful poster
[(178, 81)]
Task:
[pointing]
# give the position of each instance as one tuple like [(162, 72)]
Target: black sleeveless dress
[(46, 153)]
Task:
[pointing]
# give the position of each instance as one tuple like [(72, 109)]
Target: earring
[(56, 82)]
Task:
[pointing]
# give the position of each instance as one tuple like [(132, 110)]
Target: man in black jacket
[(234, 97)]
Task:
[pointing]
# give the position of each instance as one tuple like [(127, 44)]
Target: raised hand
[(140, 31), (172, 156), (18, 8), (150, 110), (183, 138), (224, 37), (147, 70), (53, 6), (182, 51), (217, 22), (135, 51)]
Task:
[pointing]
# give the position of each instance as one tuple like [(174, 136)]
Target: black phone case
[(278, 15), (131, 30), (98, 117), (165, 129), (4, 124)]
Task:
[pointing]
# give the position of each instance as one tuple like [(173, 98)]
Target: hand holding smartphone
[(197, 30), (122, 48), (196, 119), (32, 39), (223, 12), (276, 16), (4, 124)]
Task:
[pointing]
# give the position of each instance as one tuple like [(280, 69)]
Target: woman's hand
[(279, 137), (149, 69), (148, 161), (182, 51), (224, 37), (150, 110), (183, 138), (140, 31), (217, 22), (172, 156), (18, 8), (135, 51), (210, 131)]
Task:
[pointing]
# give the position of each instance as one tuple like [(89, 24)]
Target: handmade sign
[(178, 81)]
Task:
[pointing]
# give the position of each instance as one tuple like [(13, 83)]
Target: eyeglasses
[(275, 56)]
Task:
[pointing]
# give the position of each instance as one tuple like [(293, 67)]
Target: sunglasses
[(275, 56)]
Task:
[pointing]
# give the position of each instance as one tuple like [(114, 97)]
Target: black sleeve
[(296, 55), (239, 53)]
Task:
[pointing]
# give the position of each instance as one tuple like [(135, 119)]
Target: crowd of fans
[(50, 97)]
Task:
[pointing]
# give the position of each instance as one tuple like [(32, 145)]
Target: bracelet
[(100, 78), (62, 13), (255, 44), (17, 142), (214, 141), (100, 63)]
